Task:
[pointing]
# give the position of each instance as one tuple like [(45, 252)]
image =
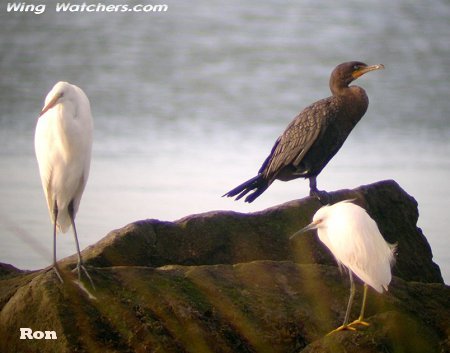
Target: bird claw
[(323, 196), (342, 328), (55, 269), (80, 267), (350, 326), (359, 322)]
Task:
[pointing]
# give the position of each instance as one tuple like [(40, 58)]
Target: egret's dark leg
[(80, 265), (321, 195), (345, 325), (360, 319), (55, 217), (350, 299)]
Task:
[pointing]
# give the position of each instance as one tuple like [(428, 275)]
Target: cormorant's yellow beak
[(365, 69)]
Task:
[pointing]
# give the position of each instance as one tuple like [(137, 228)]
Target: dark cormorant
[(314, 136)]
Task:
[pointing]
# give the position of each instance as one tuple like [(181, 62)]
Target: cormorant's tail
[(257, 183)]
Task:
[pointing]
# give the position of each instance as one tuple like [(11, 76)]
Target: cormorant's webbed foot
[(323, 196)]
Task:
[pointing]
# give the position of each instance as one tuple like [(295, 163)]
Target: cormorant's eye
[(356, 67)]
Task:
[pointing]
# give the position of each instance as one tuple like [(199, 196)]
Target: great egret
[(355, 241), (63, 144), (314, 136)]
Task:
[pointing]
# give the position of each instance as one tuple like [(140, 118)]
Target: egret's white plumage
[(356, 242), (63, 144)]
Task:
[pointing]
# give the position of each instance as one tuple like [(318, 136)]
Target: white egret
[(63, 144), (355, 241)]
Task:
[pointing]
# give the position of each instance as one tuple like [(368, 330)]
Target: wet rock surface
[(230, 282)]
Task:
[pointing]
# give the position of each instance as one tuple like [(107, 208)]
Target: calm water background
[(188, 103)]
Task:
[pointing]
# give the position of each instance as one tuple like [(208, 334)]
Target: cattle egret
[(355, 241), (63, 144)]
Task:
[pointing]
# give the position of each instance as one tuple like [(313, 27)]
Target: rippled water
[(188, 103)]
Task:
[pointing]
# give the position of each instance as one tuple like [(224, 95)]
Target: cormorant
[(314, 136)]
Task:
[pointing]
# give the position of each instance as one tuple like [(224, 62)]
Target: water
[(187, 104)]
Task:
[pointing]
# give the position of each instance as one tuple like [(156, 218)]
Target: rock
[(262, 306), (230, 282), (225, 237)]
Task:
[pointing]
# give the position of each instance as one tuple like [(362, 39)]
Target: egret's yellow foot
[(359, 322), (342, 328)]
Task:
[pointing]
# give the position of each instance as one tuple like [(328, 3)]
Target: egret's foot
[(55, 268), (323, 196), (359, 321), (342, 328), (81, 267)]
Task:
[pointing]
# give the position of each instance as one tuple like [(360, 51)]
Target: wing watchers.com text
[(83, 7)]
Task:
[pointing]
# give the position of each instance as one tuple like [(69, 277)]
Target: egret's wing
[(359, 245), (376, 266), (43, 148), (292, 146)]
